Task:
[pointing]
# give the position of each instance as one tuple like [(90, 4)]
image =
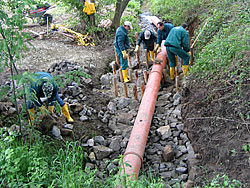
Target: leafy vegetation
[(222, 182), (178, 11), (35, 163)]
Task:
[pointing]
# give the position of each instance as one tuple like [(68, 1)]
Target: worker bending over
[(148, 39), (162, 34), (43, 88), (121, 45), (177, 43)]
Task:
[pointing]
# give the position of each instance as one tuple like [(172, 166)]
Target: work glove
[(124, 54), (156, 48), (189, 53), (159, 50), (137, 48)]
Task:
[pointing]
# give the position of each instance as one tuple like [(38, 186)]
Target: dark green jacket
[(121, 39), (178, 37), (146, 43), (162, 35)]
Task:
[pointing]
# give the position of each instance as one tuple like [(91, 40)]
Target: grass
[(40, 162)]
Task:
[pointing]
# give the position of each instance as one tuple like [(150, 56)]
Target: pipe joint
[(133, 153)]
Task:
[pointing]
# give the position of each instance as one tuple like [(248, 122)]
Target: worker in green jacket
[(121, 45), (147, 38), (162, 34), (177, 43)]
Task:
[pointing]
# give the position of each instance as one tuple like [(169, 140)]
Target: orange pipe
[(138, 138)]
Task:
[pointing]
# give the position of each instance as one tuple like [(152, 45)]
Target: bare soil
[(211, 115)]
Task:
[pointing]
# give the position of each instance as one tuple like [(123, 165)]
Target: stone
[(188, 184), (102, 152), (76, 108), (12, 110), (181, 170), (115, 143), (92, 157), (68, 126), (56, 132), (65, 132), (83, 118), (167, 153), (90, 142), (164, 130), (90, 166), (99, 140)]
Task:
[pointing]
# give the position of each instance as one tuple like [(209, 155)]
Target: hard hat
[(147, 34), (128, 23), (47, 89)]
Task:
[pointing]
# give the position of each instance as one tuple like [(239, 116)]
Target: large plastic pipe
[(138, 138)]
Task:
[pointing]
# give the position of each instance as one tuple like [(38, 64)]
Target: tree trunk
[(119, 9)]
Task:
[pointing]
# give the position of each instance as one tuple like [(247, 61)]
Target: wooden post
[(115, 87), (121, 76), (177, 83), (176, 67), (135, 92), (164, 72), (138, 53), (145, 74), (125, 90), (117, 59), (129, 61), (114, 69), (192, 56), (47, 25), (136, 75), (167, 63), (130, 75), (142, 89)]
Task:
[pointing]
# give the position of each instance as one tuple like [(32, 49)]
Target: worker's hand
[(124, 54), (156, 48), (136, 48), (159, 50), (189, 53)]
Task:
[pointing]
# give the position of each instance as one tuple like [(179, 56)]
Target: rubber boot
[(125, 75), (32, 114), (65, 112), (185, 69), (51, 109), (172, 70), (43, 109), (152, 54)]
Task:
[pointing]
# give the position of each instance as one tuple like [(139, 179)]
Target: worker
[(148, 40), (162, 34), (177, 43), (43, 88), (121, 45)]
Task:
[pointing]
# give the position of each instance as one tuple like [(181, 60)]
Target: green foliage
[(224, 44), (246, 147), (70, 76), (176, 11), (12, 20), (223, 182), (38, 164)]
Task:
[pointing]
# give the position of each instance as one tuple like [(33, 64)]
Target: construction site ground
[(215, 134)]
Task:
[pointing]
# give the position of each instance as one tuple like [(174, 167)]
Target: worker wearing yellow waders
[(148, 39), (44, 88), (177, 43), (162, 34), (121, 45)]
